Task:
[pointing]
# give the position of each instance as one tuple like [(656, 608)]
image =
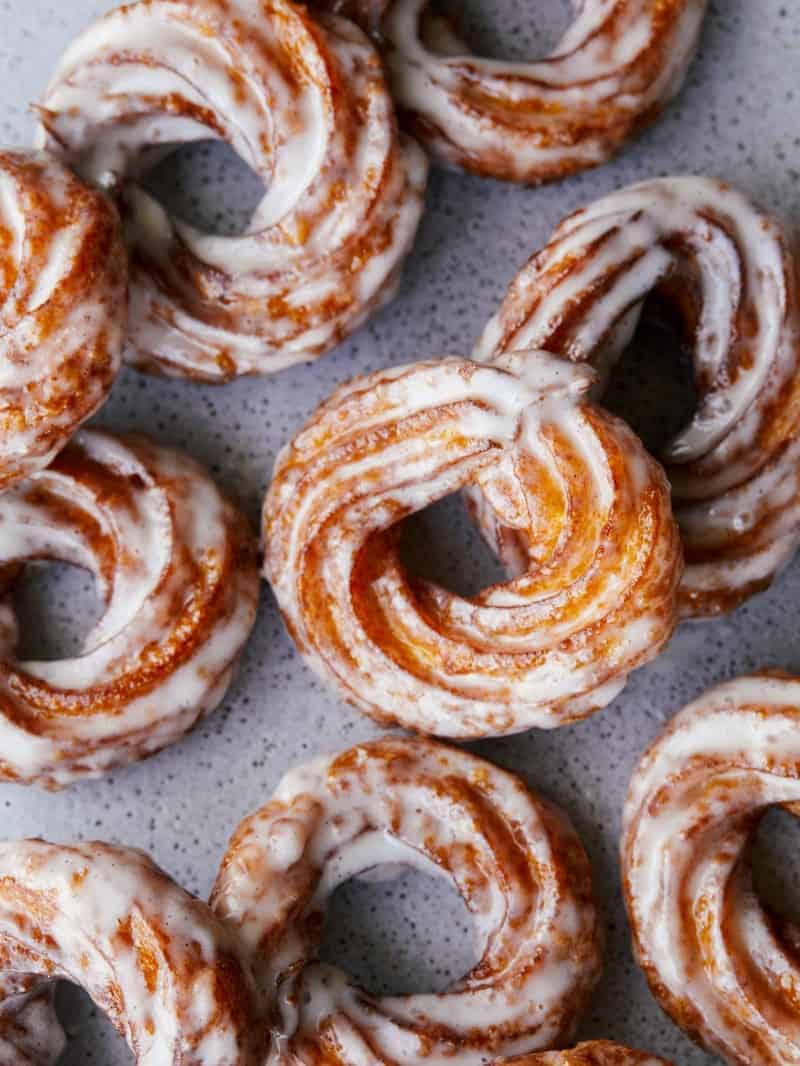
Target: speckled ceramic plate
[(737, 118)]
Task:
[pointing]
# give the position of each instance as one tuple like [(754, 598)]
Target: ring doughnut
[(155, 959), (515, 860), (728, 273), (305, 105), (30, 1033), (590, 1053), (614, 70), (597, 595), (722, 965), (63, 307), (176, 565)]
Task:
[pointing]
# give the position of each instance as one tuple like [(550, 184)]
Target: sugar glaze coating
[(617, 66), (155, 959), (726, 271), (595, 597), (513, 857), (176, 565), (724, 966), (63, 307), (304, 103)]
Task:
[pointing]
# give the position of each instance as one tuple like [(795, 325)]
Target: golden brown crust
[(595, 552), (513, 857), (304, 103), (727, 274), (63, 308), (611, 74), (155, 959), (723, 966), (176, 564), (589, 1053)]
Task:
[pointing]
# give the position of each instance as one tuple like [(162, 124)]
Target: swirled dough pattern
[(721, 964), (515, 860), (155, 959), (176, 565), (597, 593), (589, 1053), (614, 70), (63, 308), (305, 105), (728, 273)]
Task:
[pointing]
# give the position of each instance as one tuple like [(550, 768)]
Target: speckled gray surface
[(737, 119)]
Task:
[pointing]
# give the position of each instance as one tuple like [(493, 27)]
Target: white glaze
[(525, 653), (524, 878), (712, 955), (149, 954), (62, 308), (735, 469), (315, 122), (175, 564), (617, 65)]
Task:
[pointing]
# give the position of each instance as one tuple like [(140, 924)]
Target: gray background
[(737, 119)]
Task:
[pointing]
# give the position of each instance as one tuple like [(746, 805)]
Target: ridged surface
[(516, 861), (593, 541), (305, 105), (615, 68), (721, 964), (155, 959), (62, 308), (589, 1053), (175, 563), (727, 272)]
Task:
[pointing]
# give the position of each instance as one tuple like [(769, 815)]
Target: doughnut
[(176, 565), (304, 103), (30, 1033), (597, 594), (157, 961), (723, 966), (63, 306), (590, 1053), (612, 73), (513, 857), (726, 272)]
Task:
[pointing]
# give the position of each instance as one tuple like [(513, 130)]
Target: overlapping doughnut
[(597, 593), (515, 860), (62, 308), (589, 1053), (303, 102), (721, 964), (176, 565), (727, 272), (155, 959), (613, 71)]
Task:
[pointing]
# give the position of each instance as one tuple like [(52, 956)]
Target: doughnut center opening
[(514, 30), (775, 862), (651, 385), (397, 931), (91, 1036), (57, 606), (442, 544), (207, 185)]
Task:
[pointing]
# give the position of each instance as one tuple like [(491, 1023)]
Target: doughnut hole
[(775, 861), (652, 386), (441, 544), (519, 31), (207, 185), (398, 931), (92, 1039), (57, 606)]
